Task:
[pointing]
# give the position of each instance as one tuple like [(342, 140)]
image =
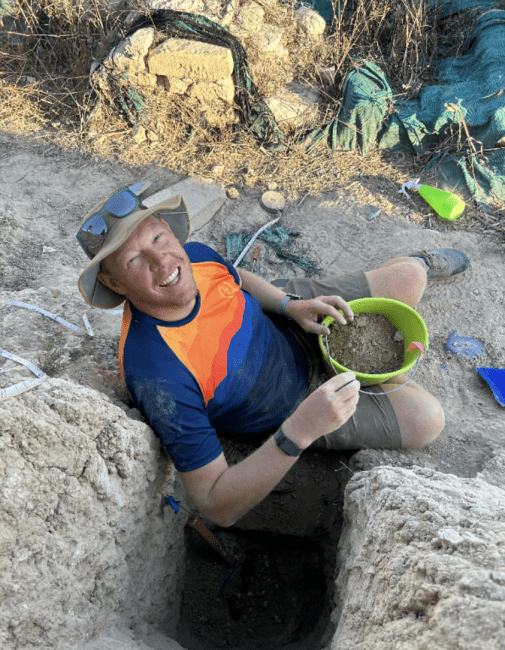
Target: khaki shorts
[(374, 423)]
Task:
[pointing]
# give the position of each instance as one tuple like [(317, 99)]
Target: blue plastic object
[(495, 377), (172, 503), (464, 345)]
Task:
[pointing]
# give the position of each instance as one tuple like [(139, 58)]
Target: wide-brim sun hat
[(172, 210)]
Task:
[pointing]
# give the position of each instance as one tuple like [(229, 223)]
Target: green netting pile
[(6, 7), (254, 111), (467, 94), (281, 241), (471, 88)]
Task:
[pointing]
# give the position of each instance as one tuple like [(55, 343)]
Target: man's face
[(143, 269)]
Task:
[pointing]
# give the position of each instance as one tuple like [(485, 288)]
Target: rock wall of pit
[(422, 561), (88, 550)]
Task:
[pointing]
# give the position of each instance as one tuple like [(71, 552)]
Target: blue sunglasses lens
[(121, 204), (94, 230)]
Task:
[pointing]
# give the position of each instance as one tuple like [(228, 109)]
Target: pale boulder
[(128, 56), (248, 20), (87, 545), (209, 93), (269, 42), (228, 13), (312, 23), (178, 58), (127, 59), (175, 86), (422, 563), (189, 6), (294, 107), (138, 133)]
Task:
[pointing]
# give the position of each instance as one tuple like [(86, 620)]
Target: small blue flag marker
[(173, 503)]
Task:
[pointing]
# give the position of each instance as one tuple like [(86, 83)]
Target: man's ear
[(110, 282)]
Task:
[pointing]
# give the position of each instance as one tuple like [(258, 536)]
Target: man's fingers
[(339, 382), (334, 304)]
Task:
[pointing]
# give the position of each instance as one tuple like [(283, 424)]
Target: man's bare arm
[(268, 296), (224, 494)]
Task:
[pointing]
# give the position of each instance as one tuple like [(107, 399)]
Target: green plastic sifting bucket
[(403, 317)]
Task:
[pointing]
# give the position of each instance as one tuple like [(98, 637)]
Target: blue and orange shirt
[(225, 367)]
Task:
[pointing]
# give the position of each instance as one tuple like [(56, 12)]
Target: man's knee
[(420, 416), (403, 279), (425, 429)]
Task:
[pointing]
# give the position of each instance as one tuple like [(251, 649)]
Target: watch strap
[(285, 300), (287, 445)]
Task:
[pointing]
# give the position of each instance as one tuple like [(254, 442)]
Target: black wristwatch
[(285, 301), (287, 445)]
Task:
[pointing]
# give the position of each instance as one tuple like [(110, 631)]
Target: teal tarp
[(468, 95), (471, 92)]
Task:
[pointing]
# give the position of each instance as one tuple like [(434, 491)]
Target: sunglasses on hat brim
[(95, 229)]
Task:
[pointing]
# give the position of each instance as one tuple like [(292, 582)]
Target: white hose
[(239, 258)]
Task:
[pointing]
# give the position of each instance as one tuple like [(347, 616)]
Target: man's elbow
[(224, 518)]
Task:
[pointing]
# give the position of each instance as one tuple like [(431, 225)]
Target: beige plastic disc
[(273, 201)]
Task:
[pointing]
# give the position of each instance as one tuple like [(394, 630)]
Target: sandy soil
[(45, 192)]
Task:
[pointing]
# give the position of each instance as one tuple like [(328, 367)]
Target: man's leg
[(420, 414), (402, 278)]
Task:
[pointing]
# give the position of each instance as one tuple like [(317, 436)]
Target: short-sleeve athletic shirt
[(225, 367)]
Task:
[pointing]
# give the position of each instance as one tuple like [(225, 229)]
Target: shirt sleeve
[(198, 252), (176, 414)]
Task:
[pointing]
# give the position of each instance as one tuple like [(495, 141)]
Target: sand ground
[(45, 192)]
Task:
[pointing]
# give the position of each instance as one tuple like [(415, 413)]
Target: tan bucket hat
[(172, 210)]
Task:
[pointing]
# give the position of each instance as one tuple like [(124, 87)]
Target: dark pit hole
[(279, 595)]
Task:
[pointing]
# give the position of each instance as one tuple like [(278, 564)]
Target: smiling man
[(206, 348)]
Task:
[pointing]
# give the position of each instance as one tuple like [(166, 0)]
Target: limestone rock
[(228, 13), (269, 42), (179, 58), (210, 92), (138, 133), (189, 6), (128, 56), (312, 23), (248, 20), (202, 198), (175, 86), (213, 9), (86, 543), (422, 563), (293, 110)]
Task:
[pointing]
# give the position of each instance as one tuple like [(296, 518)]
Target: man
[(208, 348)]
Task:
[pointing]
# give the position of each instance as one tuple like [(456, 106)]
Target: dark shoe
[(445, 264)]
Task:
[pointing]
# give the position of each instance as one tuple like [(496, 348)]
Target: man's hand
[(324, 410), (307, 312)]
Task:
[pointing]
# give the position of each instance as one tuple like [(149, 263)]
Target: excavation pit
[(282, 591), (277, 596)]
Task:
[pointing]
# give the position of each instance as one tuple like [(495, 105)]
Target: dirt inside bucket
[(370, 344)]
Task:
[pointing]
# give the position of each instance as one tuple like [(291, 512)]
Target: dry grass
[(44, 88)]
